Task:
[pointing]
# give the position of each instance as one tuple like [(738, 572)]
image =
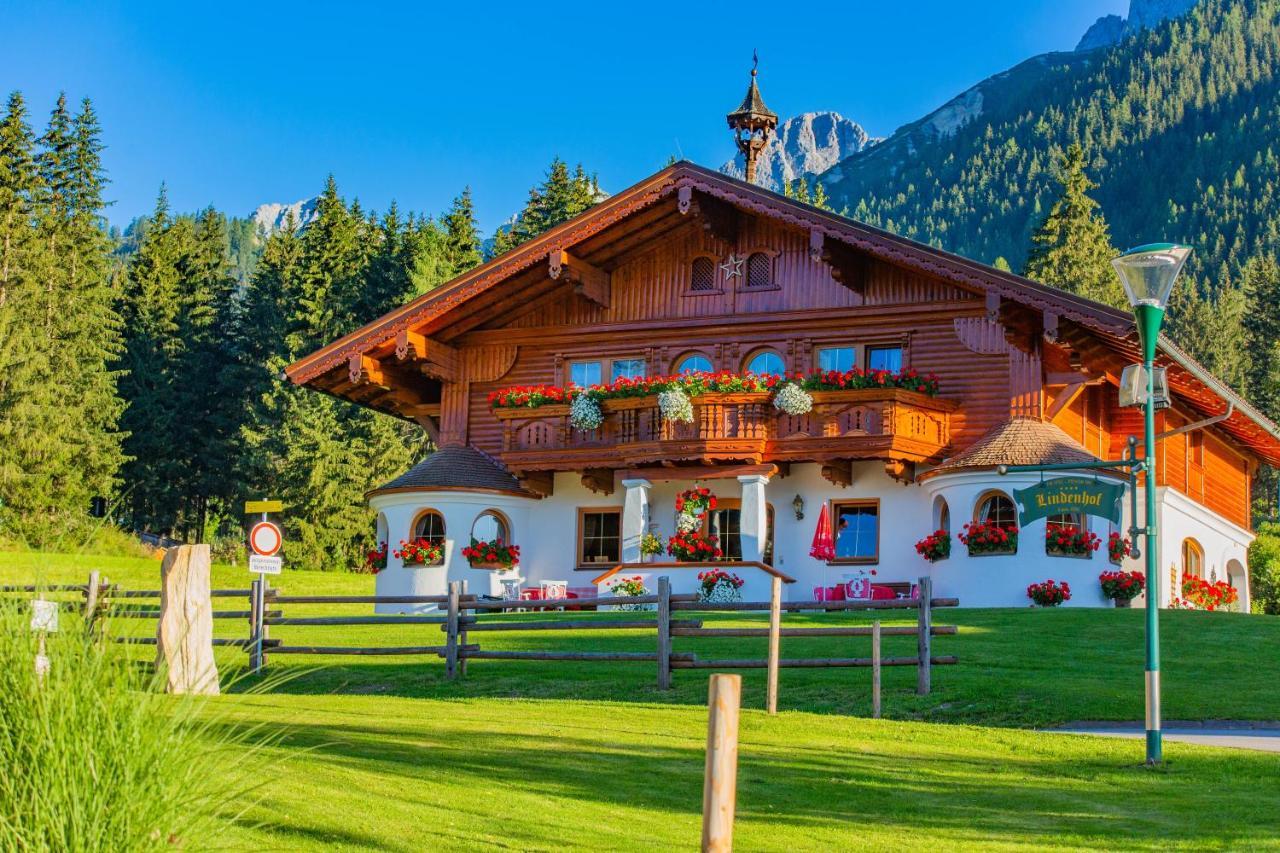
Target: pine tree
[(558, 198), (1072, 247), (461, 235), (1262, 329)]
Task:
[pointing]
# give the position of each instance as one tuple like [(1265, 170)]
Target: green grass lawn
[(385, 754)]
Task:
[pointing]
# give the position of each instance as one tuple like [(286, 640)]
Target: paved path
[(1260, 736)]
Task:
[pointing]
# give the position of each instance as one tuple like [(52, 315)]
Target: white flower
[(793, 399), (687, 522), (675, 405), (585, 413)]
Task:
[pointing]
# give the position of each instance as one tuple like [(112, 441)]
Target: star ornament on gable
[(733, 266)]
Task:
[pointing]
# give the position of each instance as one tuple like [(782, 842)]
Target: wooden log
[(924, 637), (274, 618), (851, 631), (451, 635), (494, 654), (792, 606), (363, 650), (462, 629), (154, 612), (664, 633), (91, 601), (720, 778), (775, 645), (557, 603), (575, 625), (359, 599), (255, 625), (155, 593), (184, 633), (875, 669), (803, 663)]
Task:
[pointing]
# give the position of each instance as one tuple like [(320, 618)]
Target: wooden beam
[(410, 346), (838, 472), (361, 370), (589, 282), (719, 218), (700, 472), (435, 359), (599, 480), (1064, 399), (1071, 377), (900, 470), (848, 266), (541, 483), (431, 424)]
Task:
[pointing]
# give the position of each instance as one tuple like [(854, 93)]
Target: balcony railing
[(875, 423)]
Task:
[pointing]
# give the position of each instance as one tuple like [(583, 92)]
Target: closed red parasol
[(824, 546)]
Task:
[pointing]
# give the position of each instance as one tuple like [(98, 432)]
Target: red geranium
[(1122, 586), (492, 552), (1068, 539), (1206, 595), (936, 546), (694, 548), (420, 552), (1050, 593), (989, 538)]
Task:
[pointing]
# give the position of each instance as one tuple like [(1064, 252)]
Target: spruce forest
[(146, 367)]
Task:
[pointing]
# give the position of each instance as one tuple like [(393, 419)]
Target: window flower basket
[(420, 552), (1122, 587), (493, 555), (675, 405), (1207, 595), (375, 560), (719, 586), (936, 546), (1070, 541), (1049, 593), (1118, 547), (632, 587), (696, 502), (988, 538), (585, 413), (694, 548), (650, 545), (793, 400)]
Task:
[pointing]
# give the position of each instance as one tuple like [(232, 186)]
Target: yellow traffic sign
[(263, 506)]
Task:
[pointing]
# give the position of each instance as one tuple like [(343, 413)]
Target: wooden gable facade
[(690, 262)]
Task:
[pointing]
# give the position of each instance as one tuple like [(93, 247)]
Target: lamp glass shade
[(1148, 272)]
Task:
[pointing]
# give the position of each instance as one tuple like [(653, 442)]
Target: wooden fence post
[(91, 602), (664, 633), (462, 638), (875, 669), (925, 636), (451, 636), (255, 625), (775, 633), (720, 782), (263, 602)]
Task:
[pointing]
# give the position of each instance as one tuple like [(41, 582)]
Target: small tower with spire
[(752, 122)]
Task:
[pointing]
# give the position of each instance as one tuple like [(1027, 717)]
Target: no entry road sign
[(265, 538)]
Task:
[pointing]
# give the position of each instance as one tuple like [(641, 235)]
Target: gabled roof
[(1110, 331)]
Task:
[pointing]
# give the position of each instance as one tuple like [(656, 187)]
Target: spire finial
[(755, 61)]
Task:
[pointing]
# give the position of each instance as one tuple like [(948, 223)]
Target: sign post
[(265, 539)]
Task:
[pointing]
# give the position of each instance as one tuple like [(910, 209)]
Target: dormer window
[(702, 275), (759, 271)]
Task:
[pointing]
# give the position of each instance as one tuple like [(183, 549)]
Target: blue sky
[(235, 106)]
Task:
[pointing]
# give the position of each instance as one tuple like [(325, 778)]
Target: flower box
[(1063, 541), (420, 553), (983, 538), (1122, 587), (494, 555)]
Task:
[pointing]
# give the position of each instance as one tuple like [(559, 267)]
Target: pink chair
[(882, 593)]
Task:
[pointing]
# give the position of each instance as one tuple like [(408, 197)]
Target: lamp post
[(1148, 273)]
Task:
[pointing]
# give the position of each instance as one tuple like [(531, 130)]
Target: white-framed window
[(766, 363), (430, 526), (839, 359), (491, 525)]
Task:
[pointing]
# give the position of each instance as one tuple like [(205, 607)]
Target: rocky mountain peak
[(1143, 14), (271, 217), (804, 145)]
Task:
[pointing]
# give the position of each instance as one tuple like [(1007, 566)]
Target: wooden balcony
[(879, 423)]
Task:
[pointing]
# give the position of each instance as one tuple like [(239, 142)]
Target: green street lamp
[(1148, 273)]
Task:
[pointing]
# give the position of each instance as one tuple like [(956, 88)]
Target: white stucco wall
[(546, 531)]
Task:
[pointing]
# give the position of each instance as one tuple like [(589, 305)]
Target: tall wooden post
[(255, 625), (184, 631), (451, 637), (924, 639), (775, 633), (664, 633), (875, 669), (462, 635), (91, 602), (720, 782)]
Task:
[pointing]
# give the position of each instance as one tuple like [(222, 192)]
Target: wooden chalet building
[(691, 270)]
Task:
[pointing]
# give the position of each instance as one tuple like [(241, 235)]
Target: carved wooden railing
[(888, 423)]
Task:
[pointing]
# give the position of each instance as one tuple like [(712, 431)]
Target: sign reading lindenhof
[(1069, 494)]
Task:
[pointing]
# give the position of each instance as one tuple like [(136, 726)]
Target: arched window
[(996, 508), (759, 270), (766, 363), (694, 362), (1192, 558), (941, 514), (491, 525), (430, 526), (702, 275)]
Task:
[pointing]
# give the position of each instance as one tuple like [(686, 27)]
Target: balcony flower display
[(936, 546), (491, 554), (694, 548), (632, 587), (692, 506), (650, 545), (1207, 595), (1118, 547), (696, 384), (792, 400), (1122, 587), (983, 537), (675, 405), (1070, 541), (1050, 593), (375, 560), (585, 413), (717, 585), (420, 552)]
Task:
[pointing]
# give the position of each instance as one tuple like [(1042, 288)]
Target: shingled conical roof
[(455, 468), (1020, 441), (752, 112)]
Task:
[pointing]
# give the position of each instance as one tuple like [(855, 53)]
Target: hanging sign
[(265, 538), (1069, 494), (265, 565), (254, 507)]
